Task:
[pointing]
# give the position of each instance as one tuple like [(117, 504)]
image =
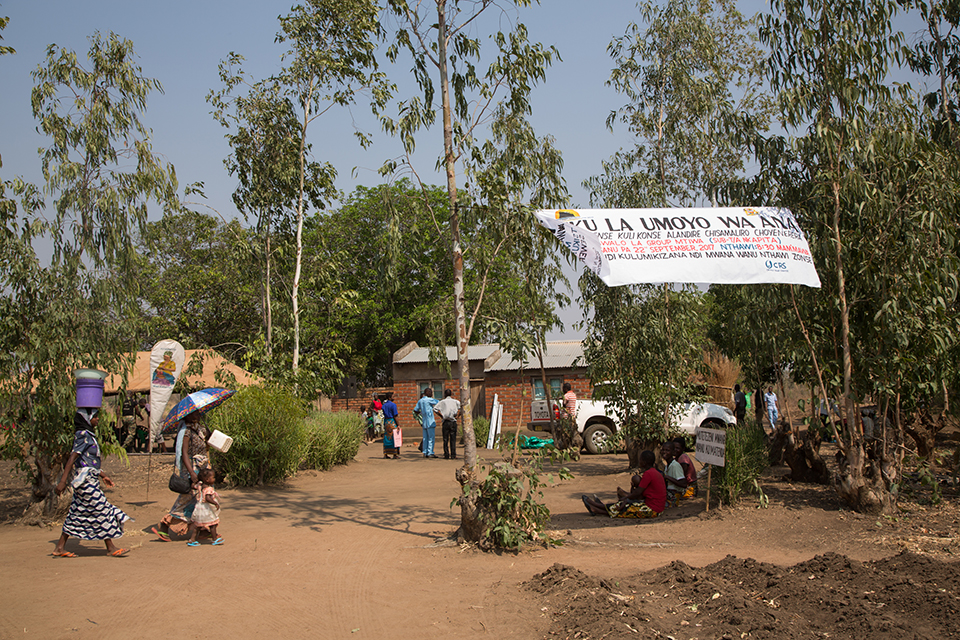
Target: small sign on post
[(711, 450)]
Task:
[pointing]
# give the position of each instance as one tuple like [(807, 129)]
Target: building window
[(436, 386), (555, 386)]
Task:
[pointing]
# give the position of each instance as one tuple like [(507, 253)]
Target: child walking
[(206, 515)]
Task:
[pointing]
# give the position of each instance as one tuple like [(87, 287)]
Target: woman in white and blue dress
[(90, 517)]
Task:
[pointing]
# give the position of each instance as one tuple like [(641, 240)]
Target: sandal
[(218, 541), (163, 535), (118, 553), (64, 554), (193, 543)]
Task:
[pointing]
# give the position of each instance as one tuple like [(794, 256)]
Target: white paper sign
[(711, 446), (721, 245)]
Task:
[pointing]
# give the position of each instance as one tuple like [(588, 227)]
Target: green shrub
[(510, 500), (331, 439), (745, 459), (481, 429), (268, 431)]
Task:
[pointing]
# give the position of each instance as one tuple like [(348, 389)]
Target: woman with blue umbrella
[(192, 455)]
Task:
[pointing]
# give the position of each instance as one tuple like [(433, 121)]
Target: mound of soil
[(829, 596)]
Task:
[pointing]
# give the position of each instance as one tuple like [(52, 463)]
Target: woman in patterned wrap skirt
[(90, 517)]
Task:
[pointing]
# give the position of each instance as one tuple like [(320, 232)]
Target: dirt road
[(364, 551)]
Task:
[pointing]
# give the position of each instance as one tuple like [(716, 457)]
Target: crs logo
[(564, 214), (775, 266)]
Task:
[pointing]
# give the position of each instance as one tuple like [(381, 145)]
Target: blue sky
[(181, 43)]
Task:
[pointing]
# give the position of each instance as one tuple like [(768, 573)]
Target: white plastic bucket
[(220, 441)]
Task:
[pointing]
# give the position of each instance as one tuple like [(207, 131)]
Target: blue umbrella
[(197, 402)]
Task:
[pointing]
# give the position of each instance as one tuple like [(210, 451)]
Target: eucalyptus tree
[(692, 76), (643, 353), (937, 55), (265, 132), (514, 284), (329, 61), (100, 173), (469, 86), (691, 70), (445, 56), (878, 199)]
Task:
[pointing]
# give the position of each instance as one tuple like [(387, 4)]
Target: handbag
[(179, 485)]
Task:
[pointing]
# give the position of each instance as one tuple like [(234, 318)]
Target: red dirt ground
[(364, 551)]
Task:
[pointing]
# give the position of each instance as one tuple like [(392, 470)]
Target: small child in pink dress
[(206, 513)]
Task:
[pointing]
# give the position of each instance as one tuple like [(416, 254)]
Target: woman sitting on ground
[(647, 497)]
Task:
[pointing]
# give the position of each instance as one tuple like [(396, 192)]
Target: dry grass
[(722, 374)]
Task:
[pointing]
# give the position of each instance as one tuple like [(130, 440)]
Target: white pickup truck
[(597, 422)]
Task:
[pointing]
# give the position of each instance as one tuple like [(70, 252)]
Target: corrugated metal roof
[(557, 355), (422, 354)]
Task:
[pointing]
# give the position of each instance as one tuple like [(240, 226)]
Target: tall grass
[(331, 439), (745, 459), (274, 435)]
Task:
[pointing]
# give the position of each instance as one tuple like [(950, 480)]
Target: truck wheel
[(598, 439)]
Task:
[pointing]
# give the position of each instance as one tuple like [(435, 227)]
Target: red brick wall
[(509, 388), (353, 405)]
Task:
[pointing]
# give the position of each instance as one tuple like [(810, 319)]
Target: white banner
[(722, 245), (166, 365)]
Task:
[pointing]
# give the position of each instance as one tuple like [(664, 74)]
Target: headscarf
[(83, 419)]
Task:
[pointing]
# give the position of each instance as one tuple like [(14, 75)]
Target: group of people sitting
[(651, 490)]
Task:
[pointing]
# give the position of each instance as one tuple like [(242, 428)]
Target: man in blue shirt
[(425, 409)]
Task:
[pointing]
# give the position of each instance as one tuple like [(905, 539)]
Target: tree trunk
[(634, 447), (471, 529), (923, 427), (268, 302), (46, 505)]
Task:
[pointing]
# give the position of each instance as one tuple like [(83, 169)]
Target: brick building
[(492, 373)]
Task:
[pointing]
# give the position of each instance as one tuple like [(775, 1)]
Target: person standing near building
[(448, 409), (770, 399), (391, 425), (570, 402), (739, 405), (425, 409)]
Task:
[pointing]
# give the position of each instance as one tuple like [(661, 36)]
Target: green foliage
[(481, 429), (509, 500), (101, 174), (269, 435), (4, 49), (929, 479), (332, 439), (644, 344), (274, 435), (197, 282), (745, 459), (692, 72)]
